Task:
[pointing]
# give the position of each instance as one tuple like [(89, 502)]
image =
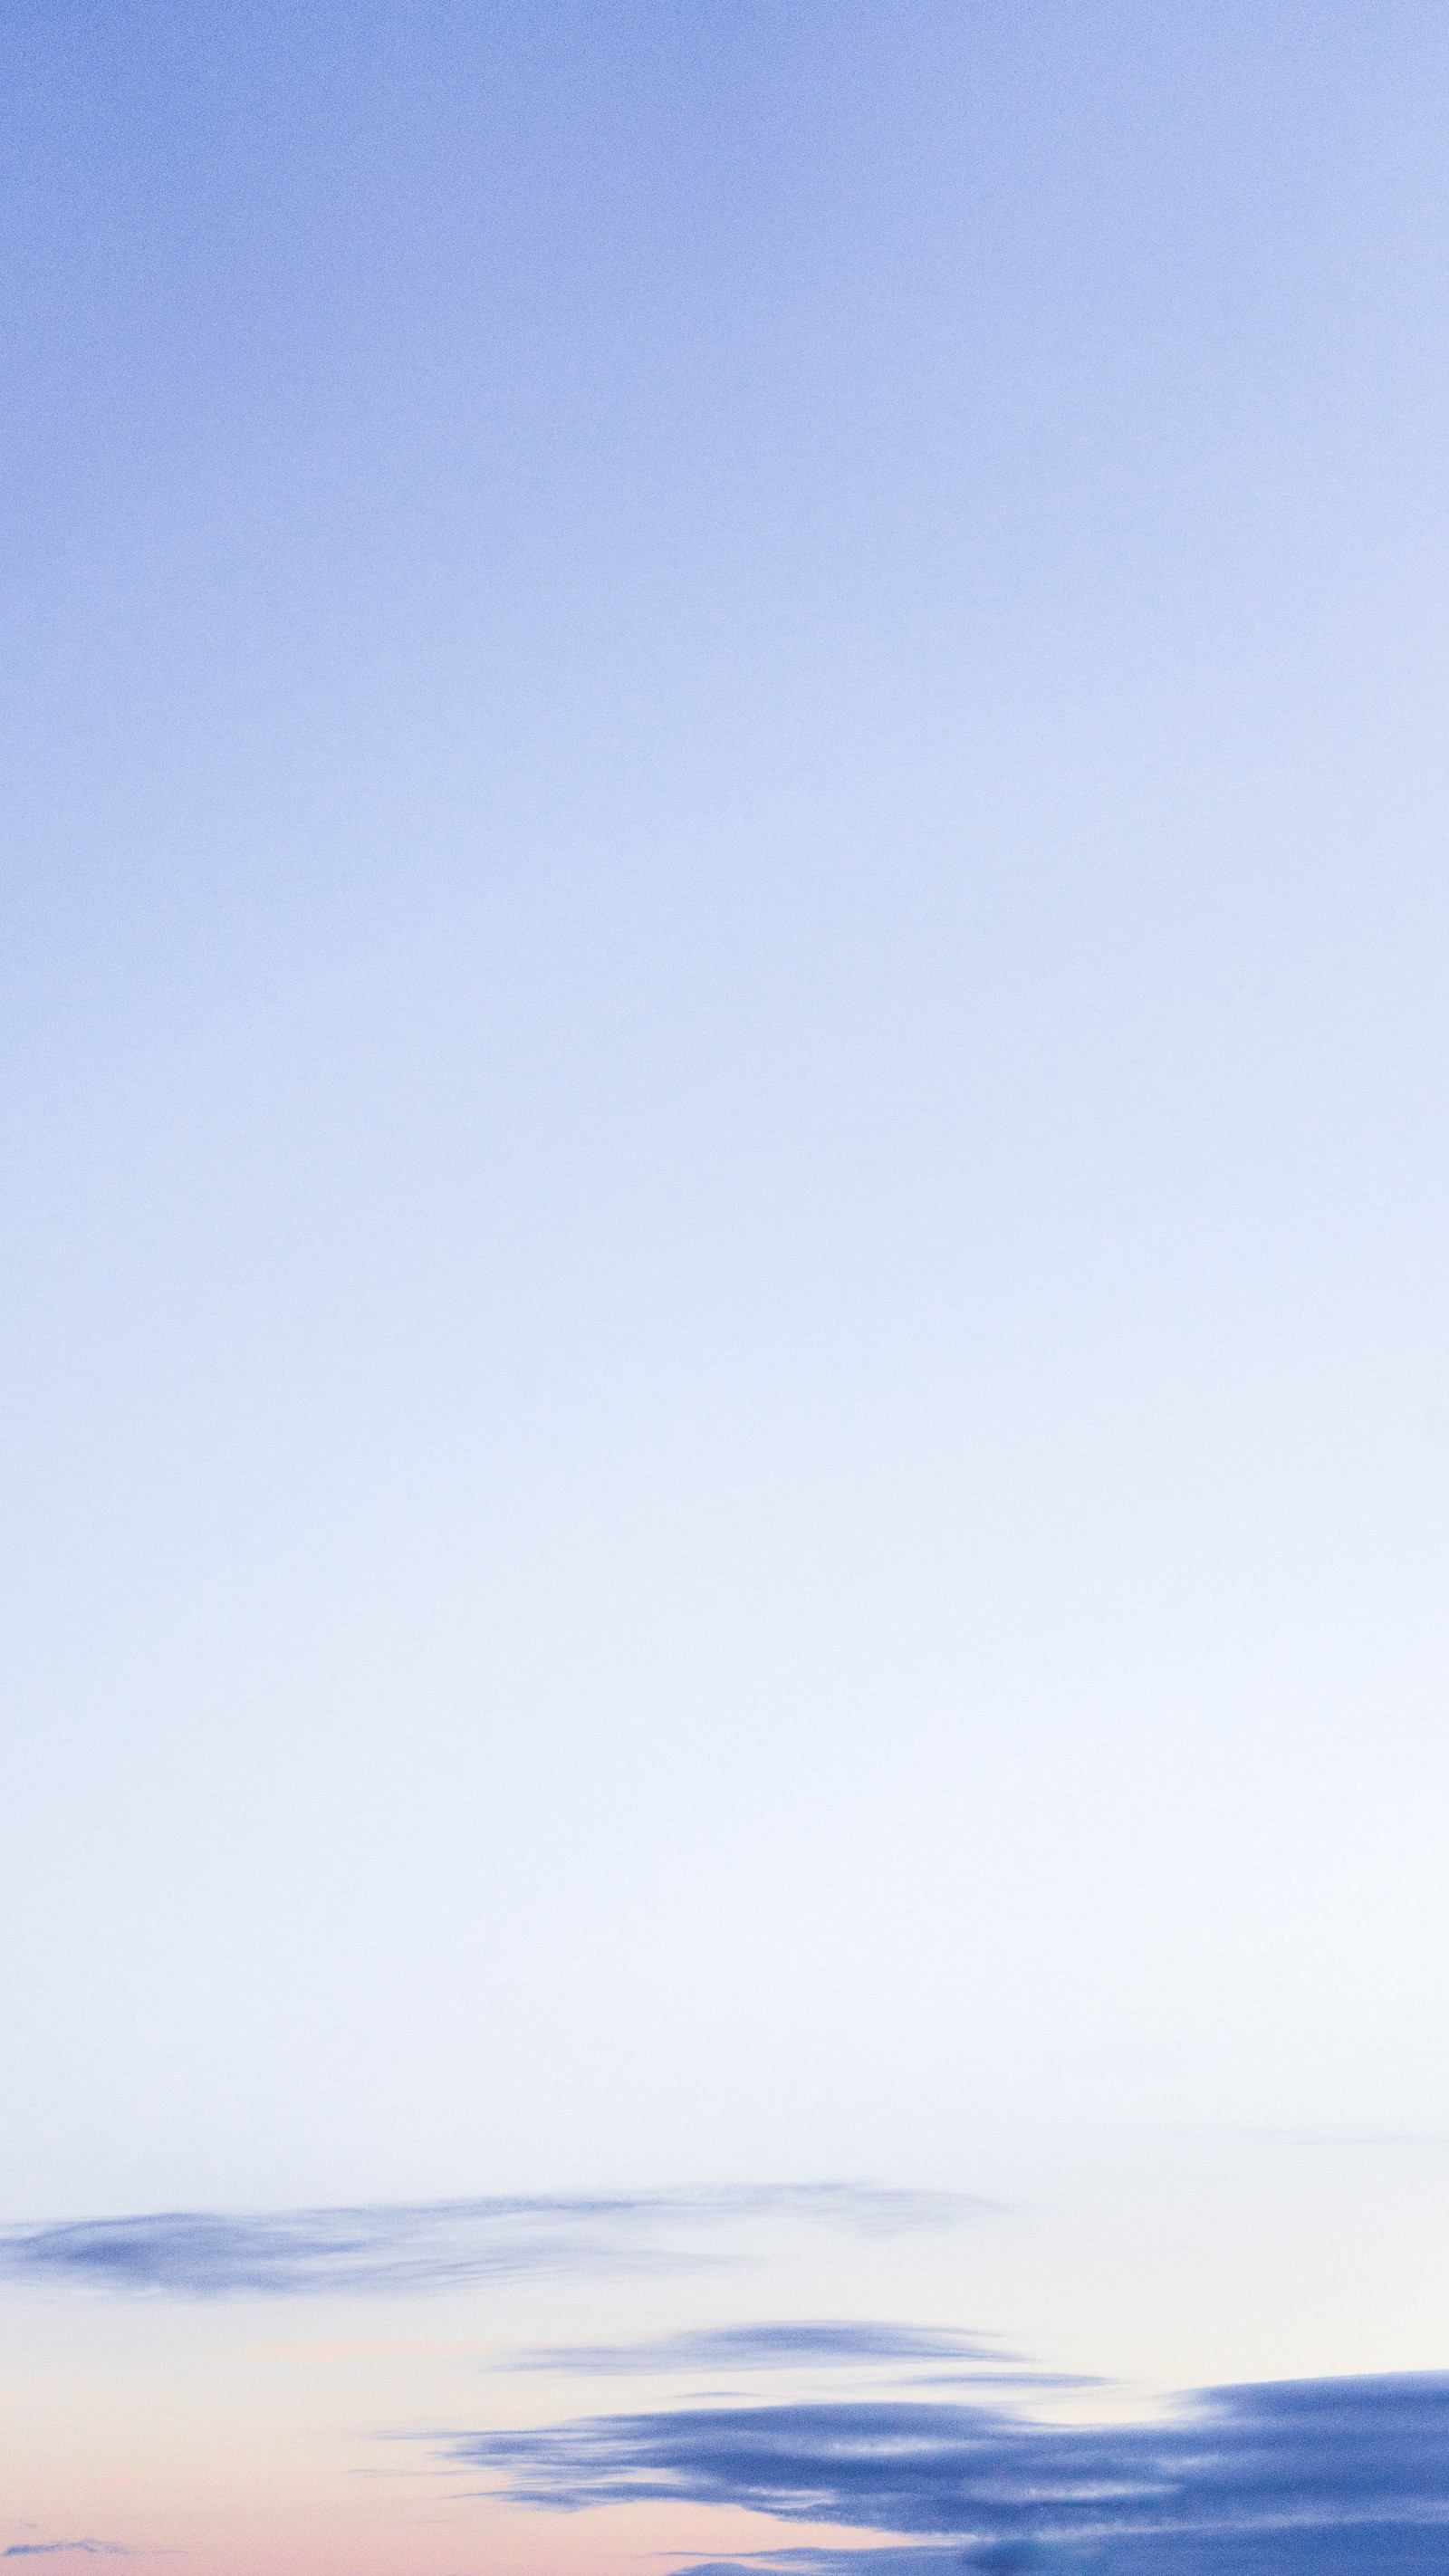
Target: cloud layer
[(313, 2252), (1345, 2477)]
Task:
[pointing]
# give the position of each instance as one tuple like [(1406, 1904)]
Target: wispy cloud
[(300, 2253), (806, 2344), (1345, 2477), (66, 2548)]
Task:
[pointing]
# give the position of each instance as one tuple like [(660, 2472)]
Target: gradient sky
[(722, 1131)]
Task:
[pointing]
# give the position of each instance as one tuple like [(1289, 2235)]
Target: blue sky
[(722, 1077)]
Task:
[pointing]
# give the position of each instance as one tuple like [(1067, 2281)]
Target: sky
[(722, 1227)]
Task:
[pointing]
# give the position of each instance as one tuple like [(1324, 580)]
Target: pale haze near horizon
[(724, 1082)]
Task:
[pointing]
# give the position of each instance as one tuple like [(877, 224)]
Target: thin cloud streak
[(65, 2548), (810, 2343), (318, 2252), (1345, 2477)]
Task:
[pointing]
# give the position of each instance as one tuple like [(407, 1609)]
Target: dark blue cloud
[(298, 2253), (1345, 2477), (1377, 2549)]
